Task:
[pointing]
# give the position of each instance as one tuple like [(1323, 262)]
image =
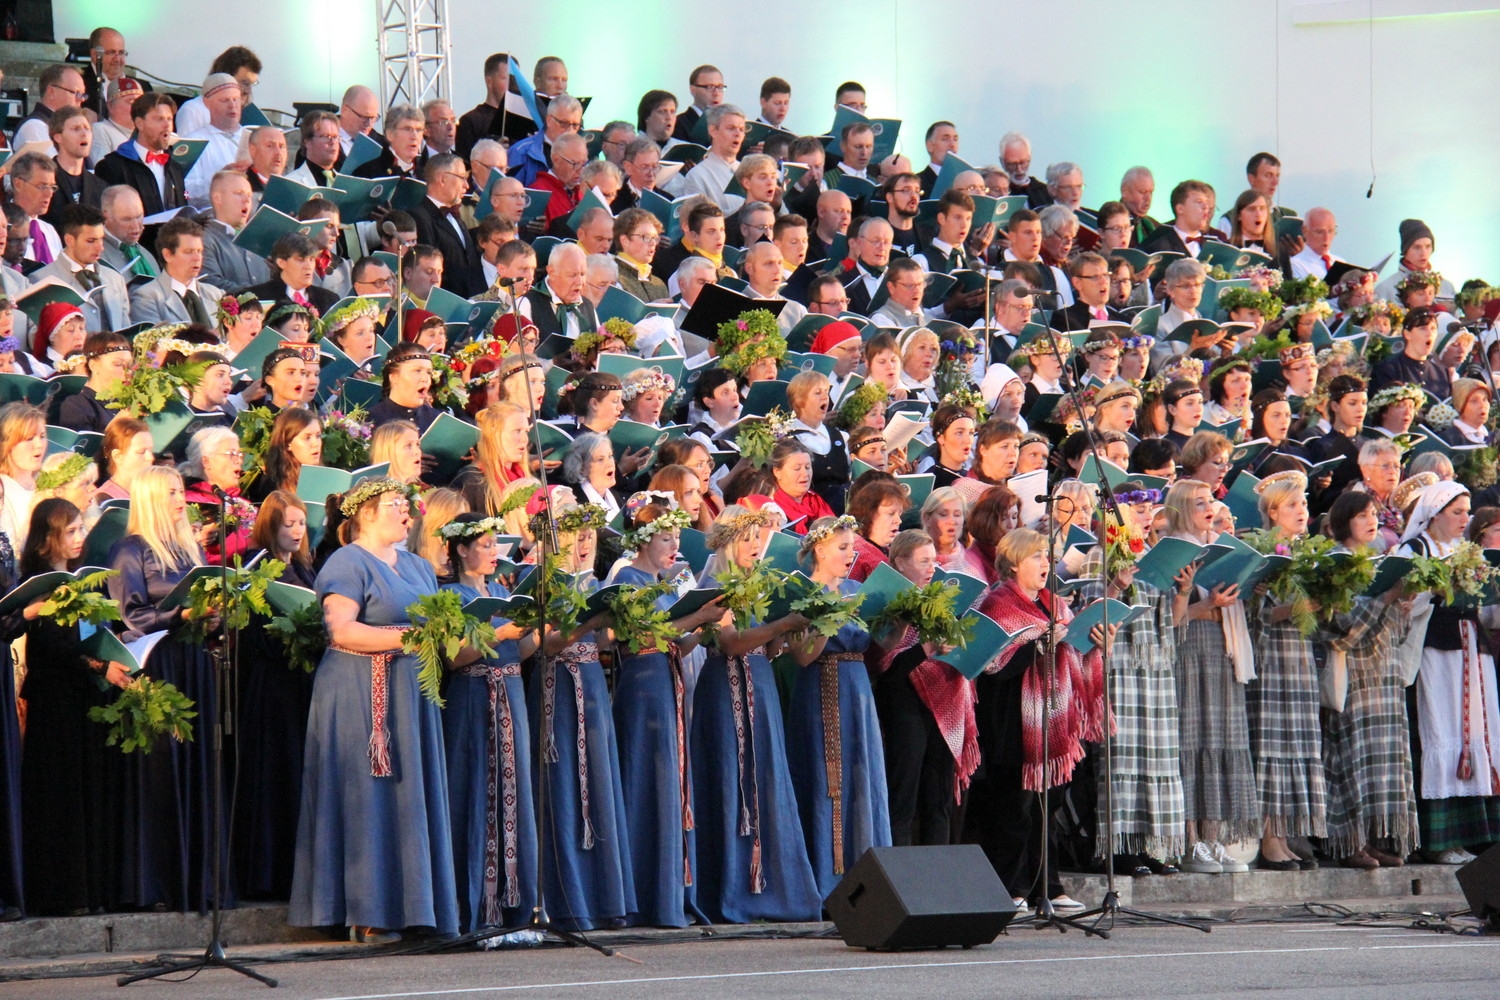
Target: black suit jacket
[(928, 179), (544, 315), (1078, 317), (859, 296), (384, 165), (463, 274), (686, 120), (118, 169), (275, 291), (1166, 238)]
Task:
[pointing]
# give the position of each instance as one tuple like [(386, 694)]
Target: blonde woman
[(752, 858), (503, 431), (168, 793), (808, 394), (399, 443), (943, 515), (1282, 701), (374, 768), (1214, 660), (438, 508), (23, 446)]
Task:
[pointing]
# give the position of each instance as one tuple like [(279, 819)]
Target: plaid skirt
[(1218, 777), (1147, 811), (1285, 734), (1366, 747)]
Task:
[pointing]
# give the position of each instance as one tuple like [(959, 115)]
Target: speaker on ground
[(920, 897)]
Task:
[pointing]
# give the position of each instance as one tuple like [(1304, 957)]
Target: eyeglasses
[(396, 503), (431, 122), (567, 159), (614, 142), (232, 453), (116, 52), (77, 94), (39, 187), (411, 129), (367, 119), (457, 176), (648, 237), (840, 302), (574, 124), (712, 88)]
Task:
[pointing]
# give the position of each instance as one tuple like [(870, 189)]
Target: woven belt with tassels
[(833, 745), (501, 797), (380, 737)]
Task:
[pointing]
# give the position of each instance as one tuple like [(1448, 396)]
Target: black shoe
[(1307, 864), (9, 914), (1161, 867), (1265, 864)]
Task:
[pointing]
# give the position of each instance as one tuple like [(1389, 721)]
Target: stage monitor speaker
[(920, 897), (1480, 882)]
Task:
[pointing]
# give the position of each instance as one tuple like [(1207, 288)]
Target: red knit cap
[(52, 316), (834, 334)]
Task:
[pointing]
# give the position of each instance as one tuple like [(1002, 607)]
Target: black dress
[(268, 743), (70, 781), (11, 895), (168, 840), (831, 472)]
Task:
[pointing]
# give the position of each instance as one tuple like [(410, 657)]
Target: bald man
[(1316, 255), (835, 211), (762, 269), (358, 113)]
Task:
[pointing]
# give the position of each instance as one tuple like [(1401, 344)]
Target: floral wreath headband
[(673, 520), (465, 530), (644, 380), (843, 522), (1129, 497), (369, 489), (572, 520), (230, 306), (1320, 309), (9, 345), (1095, 346), (1417, 279), (1137, 341), (1393, 394), (344, 315), (727, 529)]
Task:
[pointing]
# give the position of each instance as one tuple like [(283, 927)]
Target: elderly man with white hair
[(1065, 184), (1015, 157), (762, 268), (557, 302), (1059, 228)]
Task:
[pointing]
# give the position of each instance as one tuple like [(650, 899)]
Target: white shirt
[(1308, 262), (863, 175), (606, 500), (1473, 435), (192, 116), (1171, 319), (54, 241), (1194, 244), (490, 272), (454, 224), (108, 137), (815, 438), (710, 177), (892, 314), (158, 171), (223, 149), (33, 130), (573, 328)]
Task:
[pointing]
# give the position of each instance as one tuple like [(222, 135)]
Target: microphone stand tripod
[(540, 921), (226, 666)]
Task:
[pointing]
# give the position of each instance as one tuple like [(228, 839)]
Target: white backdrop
[(1189, 87)]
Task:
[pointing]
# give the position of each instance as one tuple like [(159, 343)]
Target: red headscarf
[(834, 334), (414, 321), (52, 316)]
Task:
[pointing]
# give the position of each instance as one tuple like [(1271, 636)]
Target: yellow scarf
[(643, 271)]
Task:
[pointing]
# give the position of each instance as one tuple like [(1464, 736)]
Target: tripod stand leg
[(214, 959)]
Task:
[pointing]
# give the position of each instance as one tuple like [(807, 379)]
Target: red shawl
[(809, 508), (1076, 709), (949, 696)]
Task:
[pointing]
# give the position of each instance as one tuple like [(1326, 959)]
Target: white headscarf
[(995, 380), (1429, 504)]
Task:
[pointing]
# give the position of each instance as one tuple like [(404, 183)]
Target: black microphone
[(388, 229), (506, 282), (220, 493)]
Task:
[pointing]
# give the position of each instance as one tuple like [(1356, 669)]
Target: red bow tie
[(160, 159), (325, 261)]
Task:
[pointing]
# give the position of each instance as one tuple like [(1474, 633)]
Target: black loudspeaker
[(920, 897), (1480, 882)]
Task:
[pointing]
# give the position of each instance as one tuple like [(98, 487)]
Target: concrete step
[(253, 923), (1325, 883)]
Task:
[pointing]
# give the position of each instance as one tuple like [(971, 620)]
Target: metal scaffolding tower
[(413, 51)]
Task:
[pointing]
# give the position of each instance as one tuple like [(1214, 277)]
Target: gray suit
[(114, 256), (339, 278), (107, 308), (155, 302), (226, 265)]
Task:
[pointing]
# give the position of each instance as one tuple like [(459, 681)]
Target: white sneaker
[(1066, 902), (1023, 908), (1452, 856), (1200, 861), (1226, 862)]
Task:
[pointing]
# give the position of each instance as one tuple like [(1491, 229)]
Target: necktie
[(88, 279), (563, 310), (40, 251), (196, 312), (301, 299), (324, 262), (157, 159), (1327, 261), (140, 262), (874, 270), (1098, 313)]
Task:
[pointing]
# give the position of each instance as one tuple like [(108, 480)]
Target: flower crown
[(1417, 279), (1260, 274), (460, 530), (70, 469), (572, 520), (747, 326), (147, 340), (341, 317), (968, 398), (368, 489), (1136, 341), (1300, 290), (1228, 365), (644, 380), (1265, 303), (1380, 307), (1138, 496), (230, 306), (814, 535), (1320, 309), (1094, 346), (675, 519), (617, 326), (1475, 295), (727, 529), (586, 341), (1393, 394), (287, 310)]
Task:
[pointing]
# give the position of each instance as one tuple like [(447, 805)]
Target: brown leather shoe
[(1359, 859), (1386, 859)]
